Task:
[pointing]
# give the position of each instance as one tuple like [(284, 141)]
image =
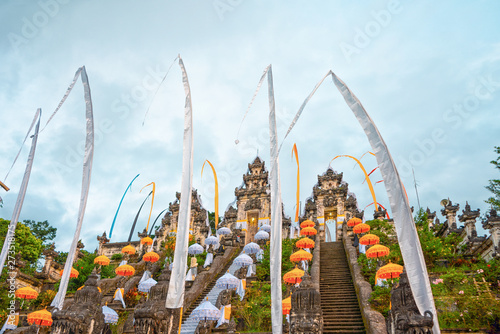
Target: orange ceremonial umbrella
[(128, 249), (98, 288), (308, 231), (377, 251), (74, 273), (305, 243), (354, 221), (26, 293), (369, 239), (125, 270), (307, 223), (102, 260), (390, 270), (147, 240), (286, 305), (301, 255), (151, 257), (41, 318), (294, 276), (361, 228)]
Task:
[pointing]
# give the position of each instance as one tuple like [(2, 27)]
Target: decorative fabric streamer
[(274, 182), (137, 217), (175, 296), (119, 205), (152, 201), (22, 192), (297, 205), (380, 205), (403, 220), (216, 200), (154, 223), (87, 171)]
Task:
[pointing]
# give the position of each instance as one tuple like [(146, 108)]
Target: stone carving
[(253, 204), (306, 316), (404, 316), (224, 298), (85, 314), (152, 317), (330, 201), (492, 223)]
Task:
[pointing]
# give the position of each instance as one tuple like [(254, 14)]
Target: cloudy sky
[(427, 72)]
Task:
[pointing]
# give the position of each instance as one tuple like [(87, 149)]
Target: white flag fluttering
[(405, 226), (87, 171), (274, 181), (22, 192), (175, 297)]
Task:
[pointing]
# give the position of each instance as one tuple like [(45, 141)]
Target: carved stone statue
[(306, 316), (85, 314), (152, 317), (224, 298), (404, 316)]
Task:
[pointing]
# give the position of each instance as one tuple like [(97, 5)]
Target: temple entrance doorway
[(252, 225), (330, 224)]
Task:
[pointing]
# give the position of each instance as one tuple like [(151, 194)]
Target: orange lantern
[(294, 276), (361, 228), (125, 270), (307, 223), (26, 293), (377, 251), (354, 221), (369, 239), (390, 270), (102, 260), (305, 243), (151, 257), (128, 250), (308, 231), (74, 273), (147, 240), (301, 255), (286, 305), (41, 318)]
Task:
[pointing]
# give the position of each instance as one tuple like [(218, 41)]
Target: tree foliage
[(41, 230), (494, 184)]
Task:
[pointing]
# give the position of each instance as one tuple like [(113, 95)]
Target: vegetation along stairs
[(212, 292), (339, 303)]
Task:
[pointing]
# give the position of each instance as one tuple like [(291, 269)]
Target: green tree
[(41, 230), (494, 185), (25, 243)]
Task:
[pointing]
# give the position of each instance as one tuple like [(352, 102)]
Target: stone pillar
[(468, 217), (492, 223), (102, 241), (450, 212), (430, 217), (49, 254), (306, 315), (379, 213), (79, 253), (142, 247)]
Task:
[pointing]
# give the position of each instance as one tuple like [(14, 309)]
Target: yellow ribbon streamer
[(368, 181), (216, 192), (152, 201), (294, 151)]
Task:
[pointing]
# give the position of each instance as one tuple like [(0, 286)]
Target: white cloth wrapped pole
[(403, 220), (175, 297), (87, 171), (22, 192), (208, 260), (240, 291)]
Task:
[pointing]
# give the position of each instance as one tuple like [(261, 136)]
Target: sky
[(428, 73)]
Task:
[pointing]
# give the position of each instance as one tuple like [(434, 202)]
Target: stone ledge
[(374, 321)]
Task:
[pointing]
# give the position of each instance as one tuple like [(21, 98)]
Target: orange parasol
[(125, 270), (369, 239), (354, 221), (26, 293), (128, 249), (74, 273), (361, 228), (377, 251), (151, 257), (98, 288), (308, 231), (294, 276), (147, 240), (191, 237), (301, 255), (102, 260), (307, 223), (305, 243), (286, 305), (390, 270), (41, 318)]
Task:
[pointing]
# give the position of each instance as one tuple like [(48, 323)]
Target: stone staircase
[(188, 323), (341, 313)]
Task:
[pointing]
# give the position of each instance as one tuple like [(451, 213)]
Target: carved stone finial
[(306, 316)]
